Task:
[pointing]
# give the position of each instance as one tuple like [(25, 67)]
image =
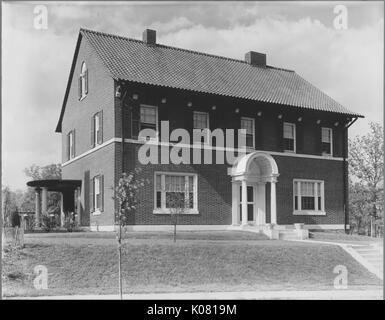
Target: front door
[(250, 203)]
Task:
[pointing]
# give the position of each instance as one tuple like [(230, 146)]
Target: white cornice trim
[(104, 144), (168, 144)]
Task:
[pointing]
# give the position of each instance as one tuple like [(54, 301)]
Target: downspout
[(345, 173)]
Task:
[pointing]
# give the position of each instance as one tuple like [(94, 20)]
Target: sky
[(347, 63)]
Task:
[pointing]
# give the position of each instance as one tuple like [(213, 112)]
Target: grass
[(86, 263), (341, 236)]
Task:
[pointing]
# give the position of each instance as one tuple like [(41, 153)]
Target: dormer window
[(83, 82)]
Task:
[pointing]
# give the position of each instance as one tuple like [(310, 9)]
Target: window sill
[(289, 151), (309, 213), (327, 155), (168, 211), (96, 213)]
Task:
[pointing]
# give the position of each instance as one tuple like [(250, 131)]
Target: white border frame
[(319, 212), (178, 173)]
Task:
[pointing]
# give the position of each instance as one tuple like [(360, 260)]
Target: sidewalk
[(244, 295)]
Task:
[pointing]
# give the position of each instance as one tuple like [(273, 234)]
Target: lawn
[(341, 236), (86, 263)]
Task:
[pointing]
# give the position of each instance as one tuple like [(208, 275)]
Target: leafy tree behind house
[(366, 154), (48, 172)]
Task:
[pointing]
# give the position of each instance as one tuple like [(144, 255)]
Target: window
[(71, 145), (308, 197), (149, 119), (248, 124), (174, 188), (97, 129), (201, 121), (327, 141), (83, 82), (97, 195), (289, 136)]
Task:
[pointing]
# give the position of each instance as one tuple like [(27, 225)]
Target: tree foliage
[(366, 162), (127, 195)]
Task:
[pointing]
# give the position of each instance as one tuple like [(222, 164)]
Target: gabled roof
[(133, 60)]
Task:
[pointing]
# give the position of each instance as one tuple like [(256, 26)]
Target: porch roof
[(56, 185)]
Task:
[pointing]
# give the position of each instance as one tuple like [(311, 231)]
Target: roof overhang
[(55, 185)]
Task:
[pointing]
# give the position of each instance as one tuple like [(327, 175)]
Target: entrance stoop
[(277, 232)]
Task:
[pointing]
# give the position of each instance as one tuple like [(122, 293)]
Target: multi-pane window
[(97, 129), (308, 195), (149, 119), (83, 81), (201, 121), (289, 136), (327, 141), (175, 191), (248, 125), (71, 145), (98, 190)]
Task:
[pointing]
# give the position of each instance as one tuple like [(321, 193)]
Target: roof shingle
[(134, 60)]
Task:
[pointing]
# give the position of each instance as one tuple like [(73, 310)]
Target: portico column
[(244, 202), (44, 202), (235, 203), (37, 207), (273, 203)]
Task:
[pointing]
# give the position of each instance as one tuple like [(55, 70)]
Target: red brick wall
[(100, 162), (78, 114), (214, 190)]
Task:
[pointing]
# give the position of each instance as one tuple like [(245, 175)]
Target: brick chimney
[(256, 58), (149, 36)]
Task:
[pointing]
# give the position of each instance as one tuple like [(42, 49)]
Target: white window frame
[(96, 209), (157, 120), (163, 209), (317, 211), (96, 128), (253, 122), (208, 140), (330, 130), (71, 148), (294, 133), (83, 72)]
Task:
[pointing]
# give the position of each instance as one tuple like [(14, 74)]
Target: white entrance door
[(250, 201)]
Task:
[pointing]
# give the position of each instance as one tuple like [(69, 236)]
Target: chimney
[(256, 58), (149, 36)]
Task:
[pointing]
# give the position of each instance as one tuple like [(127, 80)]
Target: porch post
[(61, 209), (235, 203), (244, 202), (78, 205), (273, 203), (37, 206), (44, 202)]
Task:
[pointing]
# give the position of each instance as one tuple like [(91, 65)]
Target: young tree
[(366, 154), (178, 205), (126, 193)]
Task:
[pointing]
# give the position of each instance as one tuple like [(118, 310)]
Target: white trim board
[(168, 144)]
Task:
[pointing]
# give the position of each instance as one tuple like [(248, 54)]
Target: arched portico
[(249, 177)]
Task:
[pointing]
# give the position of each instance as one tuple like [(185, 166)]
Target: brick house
[(295, 168)]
